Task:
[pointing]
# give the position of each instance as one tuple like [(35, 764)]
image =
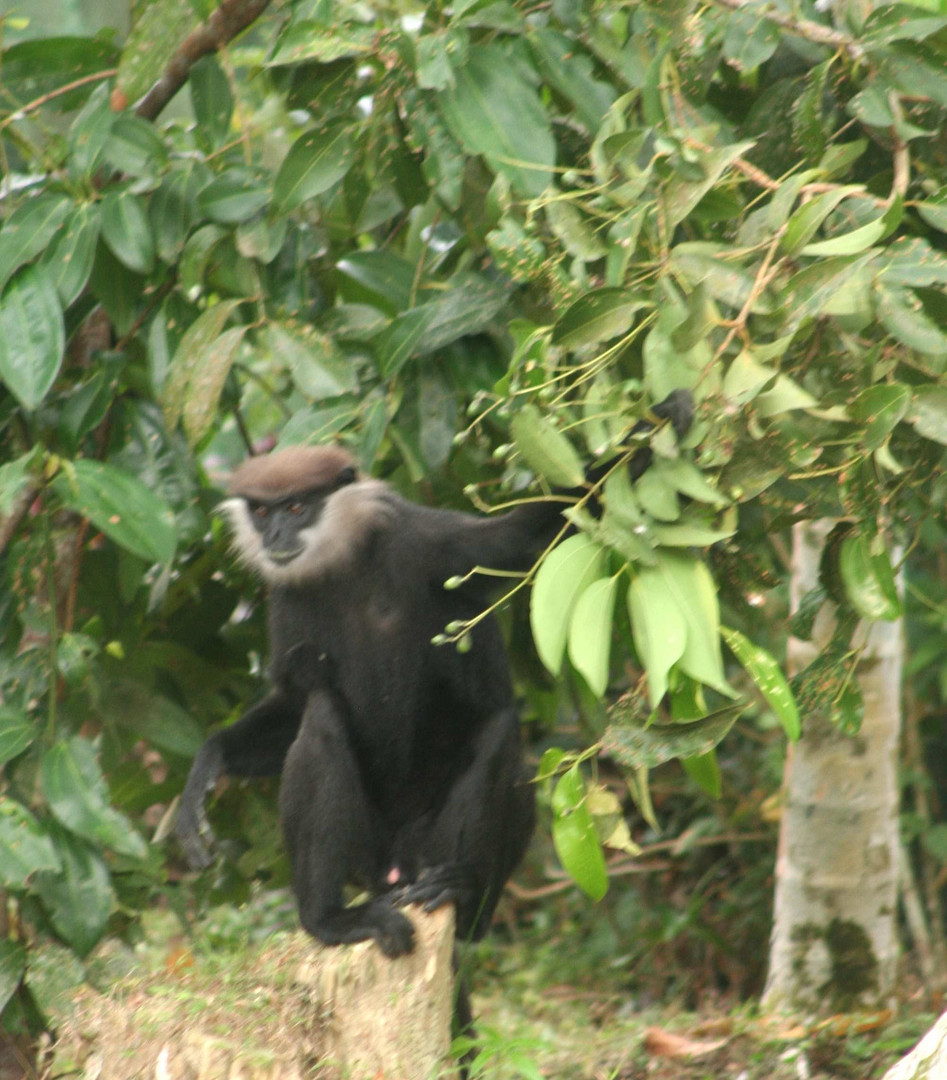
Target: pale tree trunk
[(834, 944)]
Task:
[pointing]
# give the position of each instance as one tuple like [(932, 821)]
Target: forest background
[(477, 242)]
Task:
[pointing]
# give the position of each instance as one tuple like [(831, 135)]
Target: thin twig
[(38, 103), (804, 28)]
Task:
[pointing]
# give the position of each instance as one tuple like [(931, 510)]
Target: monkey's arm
[(512, 541), (256, 745)]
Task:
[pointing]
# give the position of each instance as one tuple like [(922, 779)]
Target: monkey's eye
[(260, 511), (296, 508)]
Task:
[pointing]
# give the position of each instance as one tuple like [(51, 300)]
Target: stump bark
[(295, 1006)]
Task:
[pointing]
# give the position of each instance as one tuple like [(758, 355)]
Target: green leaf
[(868, 578), (154, 38), (208, 373), (121, 506), (32, 336), (685, 477), (574, 231), (172, 210), (749, 40), (17, 476), (658, 627), (29, 230), (785, 396), (135, 148), (233, 197), (564, 575), (768, 676), (928, 413), (13, 956), (571, 71), (596, 316), (70, 256), (195, 349), (704, 770), (879, 409), (903, 316), (545, 449), (379, 277), (638, 747), (934, 209), (316, 161), (804, 223), (492, 111), (127, 231), (860, 239), (590, 633), (574, 836), (25, 846), (89, 135), (433, 60), (318, 369), (211, 98), (78, 897), (35, 68), (682, 194), (78, 798), (16, 732)]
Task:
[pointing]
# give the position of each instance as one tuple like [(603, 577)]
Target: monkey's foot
[(437, 886)]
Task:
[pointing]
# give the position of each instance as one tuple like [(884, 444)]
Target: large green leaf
[(658, 627), (121, 506), (590, 632), (868, 578), (564, 575), (29, 230), (70, 256), (13, 957), (127, 231), (78, 896), (491, 110), (317, 160), (155, 36), (236, 195), (318, 369), (16, 732), (32, 336), (928, 413), (545, 449), (596, 316), (574, 835), (78, 798), (647, 747), (25, 846)]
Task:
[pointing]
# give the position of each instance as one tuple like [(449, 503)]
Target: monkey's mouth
[(281, 558)]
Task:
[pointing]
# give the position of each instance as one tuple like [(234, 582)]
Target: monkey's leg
[(481, 831), (256, 745), (334, 836)]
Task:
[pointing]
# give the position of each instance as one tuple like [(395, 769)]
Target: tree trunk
[(834, 944), (293, 1010)]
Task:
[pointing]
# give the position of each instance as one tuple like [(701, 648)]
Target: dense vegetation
[(477, 243)]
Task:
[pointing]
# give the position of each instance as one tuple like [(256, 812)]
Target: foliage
[(478, 243)]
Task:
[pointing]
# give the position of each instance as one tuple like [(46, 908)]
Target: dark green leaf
[(638, 747), (704, 770), (25, 846), (154, 38), (89, 135), (570, 71), (316, 161), (32, 336), (121, 506), (70, 257), (211, 98), (903, 316), (868, 578), (12, 969), (749, 39), (135, 148), (318, 369), (491, 111), (29, 230), (596, 316), (127, 231), (879, 409), (16, 732), (33, 69), (78, 897), (379, 277), (75, 790), (233, 197)]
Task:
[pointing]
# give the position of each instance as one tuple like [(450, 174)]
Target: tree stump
[(276, 1015)]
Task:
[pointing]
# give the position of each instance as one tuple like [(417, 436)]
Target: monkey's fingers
[(196, 838)]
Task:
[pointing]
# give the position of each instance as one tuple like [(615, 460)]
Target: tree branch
[(230, 19)]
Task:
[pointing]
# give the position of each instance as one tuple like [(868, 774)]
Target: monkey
[(400, 759)]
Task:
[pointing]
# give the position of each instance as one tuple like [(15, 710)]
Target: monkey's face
[(292, 538)]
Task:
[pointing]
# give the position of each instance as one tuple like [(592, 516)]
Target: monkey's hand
[(450, 883), (191, 826)]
